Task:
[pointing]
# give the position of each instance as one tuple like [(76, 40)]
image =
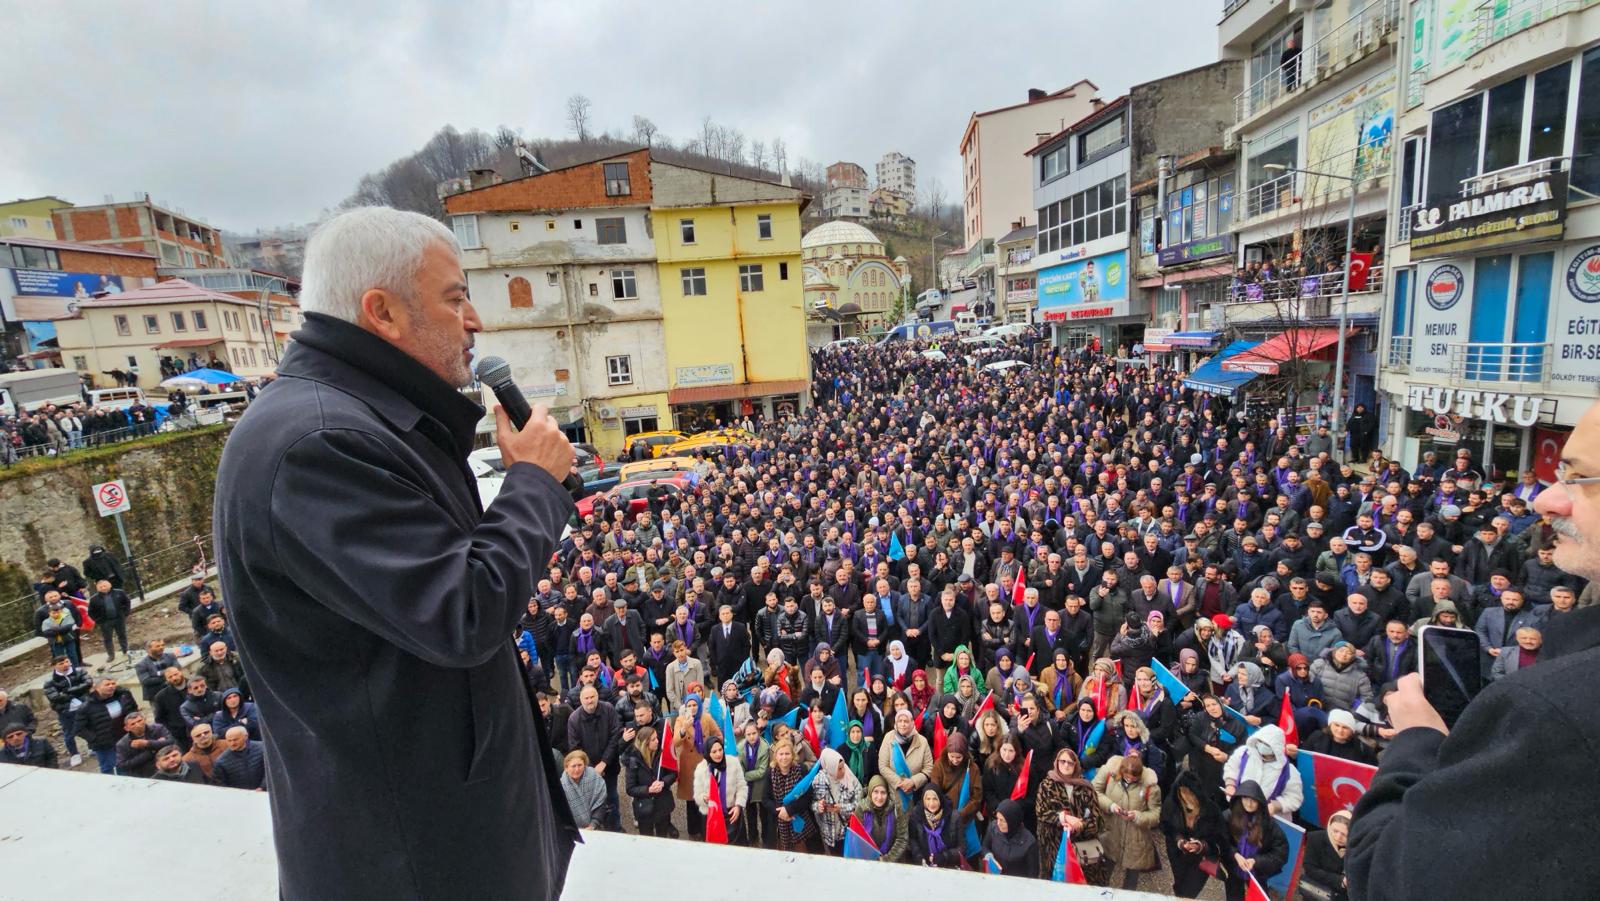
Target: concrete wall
[(1182, 114), (50, 513)]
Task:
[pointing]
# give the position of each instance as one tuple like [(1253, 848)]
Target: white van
[(966, 322), (36, 388), (117, 398)]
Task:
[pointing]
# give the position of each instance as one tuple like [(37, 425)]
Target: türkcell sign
[(1531, 211)]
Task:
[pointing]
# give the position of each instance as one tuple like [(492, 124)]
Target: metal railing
[(60, 445), (1228, 6), (1321, 285), (1496, 20), (1363, 162), (1512, 175), (1346, 42), (1402, 223), (1500, 362), (1399, 353), (153, 570)]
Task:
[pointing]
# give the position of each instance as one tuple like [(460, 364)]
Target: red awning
[(188, 342), (709, 393), (1266, 357)]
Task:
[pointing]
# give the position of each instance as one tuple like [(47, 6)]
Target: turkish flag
[(1291, 735), (1020, 790), (716, 824), (1018, 588), (939, 738), (1339, 783), (1360, 265), (669, 757), (1254, 891), (1547, 445)]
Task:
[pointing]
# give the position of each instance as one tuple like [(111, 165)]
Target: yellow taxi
[(707, 444), (652, 440), (660, 466)]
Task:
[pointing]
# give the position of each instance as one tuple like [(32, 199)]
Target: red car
[(636, 494)]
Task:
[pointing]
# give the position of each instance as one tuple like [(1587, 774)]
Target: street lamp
[(1344, 288), (933, 262)]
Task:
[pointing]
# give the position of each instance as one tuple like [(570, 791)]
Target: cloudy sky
[(259, 114)]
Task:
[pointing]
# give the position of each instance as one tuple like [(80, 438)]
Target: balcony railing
[(1402, 223), (1512, 175), (1346, 42), (1496, 20), (1228, 6), (1305, 287), (1399, 353), (1493, 362), (1368, 160)]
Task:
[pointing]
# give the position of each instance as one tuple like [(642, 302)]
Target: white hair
[(362, 249)]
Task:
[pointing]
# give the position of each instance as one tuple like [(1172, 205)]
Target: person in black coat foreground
[(1506, 798), (354, 552)]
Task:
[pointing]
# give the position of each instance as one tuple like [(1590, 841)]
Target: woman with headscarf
[(1248, 694), (1213, 734), (945, 715), (1305, 694), (1224, 651), (858, 752), (953, 768), (1324, 876), (780, 675), (999, 675), (921, 693), (884, 820), (823, 658), (834, 795), (1060, 683), (691, 731), (650, 785), (1128, 795), (783, 774), (898, 666), (1066, 801), (878, 693), (1103, 688), (728, 772), (1014, 849), (755, 755), (1195, 831), (1255, 843), (1195, 678), (967, 696), (1127, 735), (932, 837), (818, 691), (1149, 699), (1263, 760), (1078, 730), (960, 665)]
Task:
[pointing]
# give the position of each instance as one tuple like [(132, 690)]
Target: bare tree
[(934, 196), (708, 136), (734, 147), (505, 138), (758, 154), (578, 116), (644, 131), (780, 155)]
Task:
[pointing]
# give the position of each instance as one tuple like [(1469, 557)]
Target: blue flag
[(654, 686), (1286, 878), (1058, 872), (722, 716), (902, 768), (896, 550), (800, 789), (1093, 741), (839, 721), (970, 834), (1176, 690), (858, 848), (1249, 729), (790, 719)]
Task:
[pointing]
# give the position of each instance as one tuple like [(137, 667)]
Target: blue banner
[(1100, 279), (50, 283)]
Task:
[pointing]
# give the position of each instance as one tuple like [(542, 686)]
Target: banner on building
[(1532, 211), (51, 283), (1189, 251)]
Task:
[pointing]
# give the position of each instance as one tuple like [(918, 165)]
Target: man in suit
[(623, 631), (868, 631), (1082, 574), (1180, 594), (729, 644), (1046, 639)]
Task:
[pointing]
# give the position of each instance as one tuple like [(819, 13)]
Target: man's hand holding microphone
[(526, 435)]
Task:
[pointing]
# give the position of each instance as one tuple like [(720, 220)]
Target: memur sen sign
[(1530, 211)]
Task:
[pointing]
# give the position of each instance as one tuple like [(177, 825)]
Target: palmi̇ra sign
[(1531, 211)]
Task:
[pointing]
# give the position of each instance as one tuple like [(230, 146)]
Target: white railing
[(1500, 362), (1402, 223), (1228, 6), (1512, 175), (1399, 353), (1346, 42), (1496, 20)]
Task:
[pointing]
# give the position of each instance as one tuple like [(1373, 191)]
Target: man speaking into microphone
[(374, 601)]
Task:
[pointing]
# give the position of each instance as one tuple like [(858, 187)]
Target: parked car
[(636, 494), (1005, 366), (651, 441)]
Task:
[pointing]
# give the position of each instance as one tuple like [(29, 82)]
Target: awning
[(1193, 339), (1267, 357), (188, 342), (1211, 378), (709, 393)]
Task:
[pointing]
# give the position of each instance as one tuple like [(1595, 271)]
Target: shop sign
[(553, 389), (1076, 313), (1442, 431), (1491, 406), (709, 374), (1531, 211), (1189, 251), (1575, 318), (632, 412)]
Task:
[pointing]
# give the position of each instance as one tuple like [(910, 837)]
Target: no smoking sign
[(111, 498)]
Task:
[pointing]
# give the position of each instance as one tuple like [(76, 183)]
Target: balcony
[(1347, 43), (1303, 191), (1494, 363), (1399, 359), (1496, 20)]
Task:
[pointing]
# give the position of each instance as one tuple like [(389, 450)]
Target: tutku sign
[(1491, 406), (1531, 211)]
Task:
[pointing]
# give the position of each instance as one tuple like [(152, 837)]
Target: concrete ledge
[(111, 814)]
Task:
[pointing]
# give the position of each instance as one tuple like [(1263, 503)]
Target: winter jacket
[(1304, 638), (586, 798), (919, 758), (1342, 688), (241, 769), (1278, 778), (100, 719), (35, 751), (754, 767), (1130, 843), (737, 792), (141, 761)]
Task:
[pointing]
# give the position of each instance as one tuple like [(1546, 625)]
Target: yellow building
[(732, 295), (30, 217), (133, 330)]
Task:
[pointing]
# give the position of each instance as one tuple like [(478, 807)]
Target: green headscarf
[(856, 751)]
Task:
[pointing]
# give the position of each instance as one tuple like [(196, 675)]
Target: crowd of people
[(1305, 275), (1000, 578)]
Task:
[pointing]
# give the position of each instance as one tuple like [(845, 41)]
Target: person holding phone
[(1442, 796)]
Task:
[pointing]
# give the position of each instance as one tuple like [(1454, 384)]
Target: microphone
[(496, 373)]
